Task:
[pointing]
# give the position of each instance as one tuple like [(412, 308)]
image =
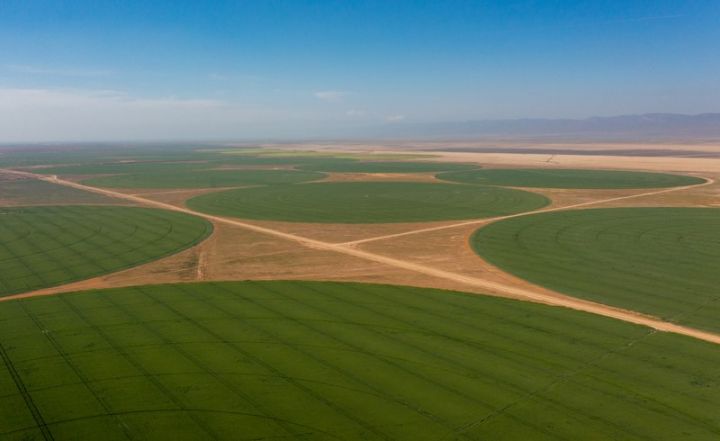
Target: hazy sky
[(94, 69)]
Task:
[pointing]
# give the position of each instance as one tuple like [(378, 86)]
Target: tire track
[(37, 416)]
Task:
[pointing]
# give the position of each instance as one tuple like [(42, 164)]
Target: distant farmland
[(261, 360), (386, 167), (567, 178), (203, 178)]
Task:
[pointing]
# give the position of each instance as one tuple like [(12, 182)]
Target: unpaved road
[(708, 181), (349, 249)]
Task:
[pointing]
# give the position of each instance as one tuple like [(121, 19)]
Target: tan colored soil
[(410, 146), (667, 164), (174, 197), (403, 177)]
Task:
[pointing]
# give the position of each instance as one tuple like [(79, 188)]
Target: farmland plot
[(311, 360), (47, 246), (660, 261), (203, 178), (387, 167), (567, 178), (367, 202)]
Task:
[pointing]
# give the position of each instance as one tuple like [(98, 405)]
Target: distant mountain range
[(650, 125)]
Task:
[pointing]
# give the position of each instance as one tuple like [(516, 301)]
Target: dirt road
[(349, 249), (708, 181)]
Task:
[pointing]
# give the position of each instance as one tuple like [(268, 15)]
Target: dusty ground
[(538, 144), (233, 253), (413, 177), (174, 197), (668, 164)]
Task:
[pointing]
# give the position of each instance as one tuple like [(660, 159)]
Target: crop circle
[(47, 246), (660, 261), (367, 202), (569, 178)]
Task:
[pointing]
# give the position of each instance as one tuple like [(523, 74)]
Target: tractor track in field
[(348, 248)]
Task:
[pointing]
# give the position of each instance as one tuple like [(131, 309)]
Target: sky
[(74, 70)]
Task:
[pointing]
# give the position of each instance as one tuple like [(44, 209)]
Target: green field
[(321, 361), (33, 192), (660, 261), (387, 167), (48, 246), (367, 202), (152, 167), (269, 160), (567, 178), (203, 178), (124, 168)]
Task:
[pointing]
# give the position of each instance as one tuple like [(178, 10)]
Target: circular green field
[(660, 261), (567, 178), (367, 202), (341, 361), (203, 178), (386, 167), (47, 246)]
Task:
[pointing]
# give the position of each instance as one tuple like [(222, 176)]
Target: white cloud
[(36, 70), (61, 114), (394, 118), (330, 96), (356, 113)]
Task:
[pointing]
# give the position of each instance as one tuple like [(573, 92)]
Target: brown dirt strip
[(504, 289)]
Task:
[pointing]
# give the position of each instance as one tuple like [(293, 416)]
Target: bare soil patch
[(253, 167), (339, 233), (413, 177), (703, 196), (174, 197), (232, 253), (666, 164)]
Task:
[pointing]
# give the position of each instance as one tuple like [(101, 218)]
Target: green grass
[(33, 192), (322, 361), (387, 167), (660, 261), (71, 155), (47, 246), (203, 178), (566, 178), (367, 202), (124, 168)]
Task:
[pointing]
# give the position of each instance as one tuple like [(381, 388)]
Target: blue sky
[(94, 69)]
